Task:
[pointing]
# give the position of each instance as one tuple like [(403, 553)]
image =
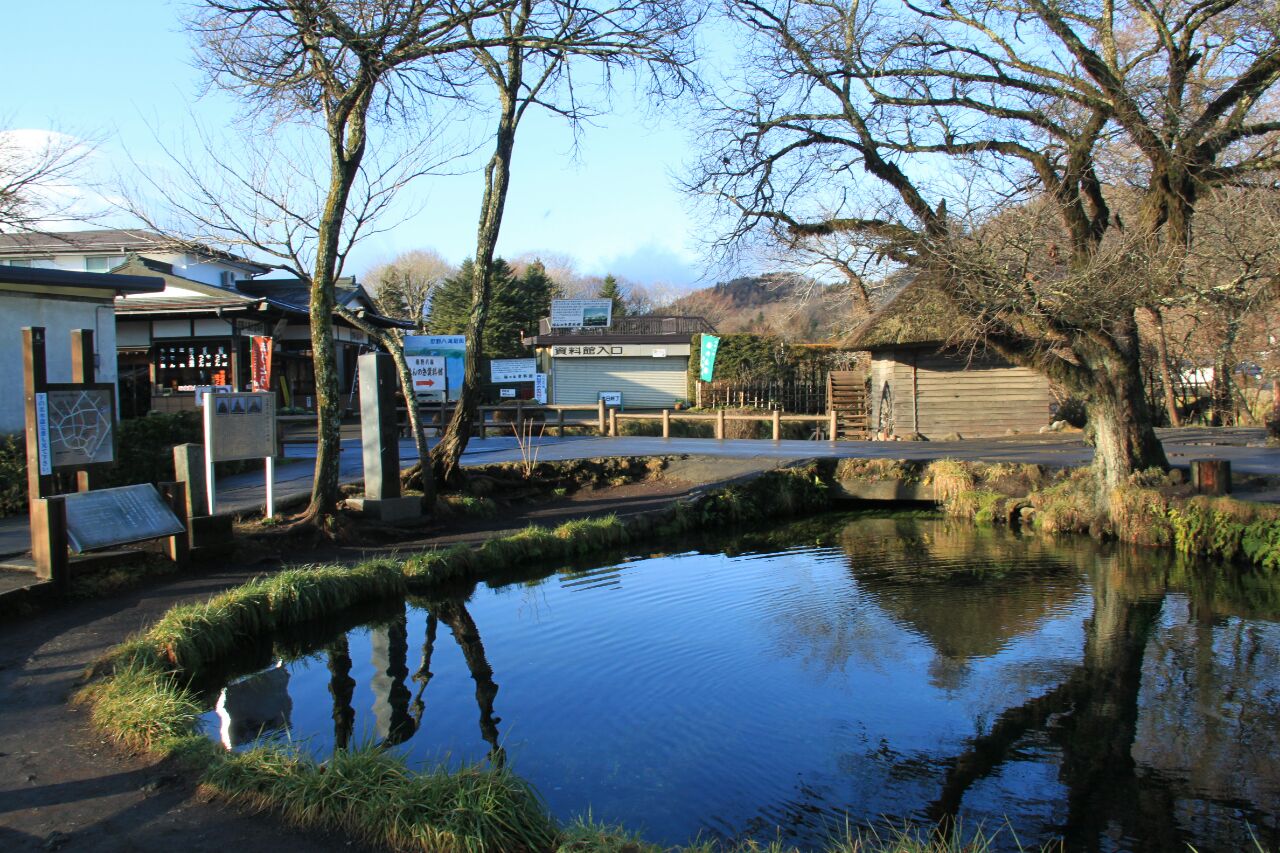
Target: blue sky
[(108, 69)]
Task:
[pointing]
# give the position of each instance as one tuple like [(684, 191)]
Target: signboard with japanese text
[(260, 362), (452, 348), (430, 377), (581, 313), (707, 357), (242, 426), (589, 350), (106, 517), (540, 388), (512, 370), (612, 399)]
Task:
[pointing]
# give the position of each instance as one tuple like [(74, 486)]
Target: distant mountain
[(775, 303)]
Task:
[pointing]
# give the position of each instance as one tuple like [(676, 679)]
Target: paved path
[(244, 493)]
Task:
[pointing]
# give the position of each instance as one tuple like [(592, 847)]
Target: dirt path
[(63, 787)]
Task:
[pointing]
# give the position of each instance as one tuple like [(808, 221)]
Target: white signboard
[(240, 426), (588, 350), (581, 313), (540, 388), (506, 392), (429, 374), (512, 370), (612, 399), (452, 348)]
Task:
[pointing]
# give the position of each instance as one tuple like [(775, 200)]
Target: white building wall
[(59, 316)]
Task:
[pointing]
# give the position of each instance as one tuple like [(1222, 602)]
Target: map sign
[(581, 313), (75, 426)]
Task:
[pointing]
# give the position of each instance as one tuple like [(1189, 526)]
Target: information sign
[(506, 392), (452, 348), (540, 388), (430, 374), (243, 426), (107, 517), (75, 426), (612, 399), (512, 370), (581, 313)]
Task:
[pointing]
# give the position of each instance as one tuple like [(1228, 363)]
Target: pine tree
[(517, 304), (613, 291)]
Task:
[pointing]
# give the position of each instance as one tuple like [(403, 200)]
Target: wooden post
[(1211, 476), (666, 423), (84, 370), (560, 422), (177, 547), (600, 415), (777, 425), (49, 541), (35, 379), (613, 422), (831, 424), (720, 424)]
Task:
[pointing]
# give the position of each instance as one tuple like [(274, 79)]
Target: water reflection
[(910, 669)]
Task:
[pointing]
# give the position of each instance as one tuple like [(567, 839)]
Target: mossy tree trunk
[(497, 178)]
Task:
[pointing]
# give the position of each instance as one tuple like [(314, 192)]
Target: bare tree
[(403, 286), (910, 125), (541, 43), (339, 67), (37, 170)]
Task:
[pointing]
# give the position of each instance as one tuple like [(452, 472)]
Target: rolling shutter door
[(645, 382)]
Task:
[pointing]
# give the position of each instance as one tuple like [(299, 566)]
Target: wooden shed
[(923, 384)]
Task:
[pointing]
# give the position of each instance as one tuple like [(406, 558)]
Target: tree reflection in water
[(398, 712)]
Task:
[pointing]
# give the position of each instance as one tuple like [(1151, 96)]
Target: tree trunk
[(448, 453), (1166, 375), (346, 150), (1222, 400), (1124, 438)]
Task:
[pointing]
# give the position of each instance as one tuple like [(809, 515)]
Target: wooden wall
[(937, 394)]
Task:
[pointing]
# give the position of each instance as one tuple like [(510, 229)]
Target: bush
[(1072, 411), (13, 475)]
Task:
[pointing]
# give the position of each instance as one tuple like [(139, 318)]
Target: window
[(103, 263), (16, 263)]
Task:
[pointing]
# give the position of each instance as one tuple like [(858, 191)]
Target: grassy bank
[(142, 695), (1154, 508), (142, 692)]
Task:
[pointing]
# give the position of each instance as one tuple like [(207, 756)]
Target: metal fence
[(800, 396)]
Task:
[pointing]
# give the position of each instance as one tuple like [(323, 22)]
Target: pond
[(845, 668)]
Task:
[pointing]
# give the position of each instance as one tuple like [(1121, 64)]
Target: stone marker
[(380, 442)]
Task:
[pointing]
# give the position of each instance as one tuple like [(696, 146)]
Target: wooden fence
[(605, 420)]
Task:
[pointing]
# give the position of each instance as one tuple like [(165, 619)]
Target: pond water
[(844, 668)]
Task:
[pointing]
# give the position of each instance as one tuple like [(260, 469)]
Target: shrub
[(13, 475)]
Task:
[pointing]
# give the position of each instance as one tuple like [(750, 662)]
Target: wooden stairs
[(847, 397)]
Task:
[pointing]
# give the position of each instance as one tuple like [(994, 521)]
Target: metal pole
[(271, 487), (210, 491)]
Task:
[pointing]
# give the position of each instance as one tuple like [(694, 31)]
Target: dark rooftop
[(107, 285)]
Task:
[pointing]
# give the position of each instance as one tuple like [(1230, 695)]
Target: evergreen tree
[(613, 291), (517, 304)]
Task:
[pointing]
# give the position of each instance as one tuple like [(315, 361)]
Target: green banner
[(710, 345)]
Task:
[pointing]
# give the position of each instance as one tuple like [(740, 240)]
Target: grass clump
[(469, 506), (143, 707), (372, 795)]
